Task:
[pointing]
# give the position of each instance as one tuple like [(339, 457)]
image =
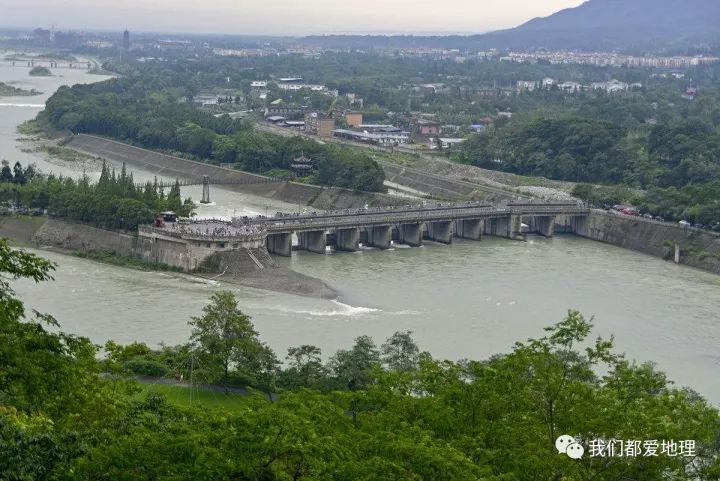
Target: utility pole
[(192, 384)]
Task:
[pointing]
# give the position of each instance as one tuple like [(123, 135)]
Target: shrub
[(146, 367)]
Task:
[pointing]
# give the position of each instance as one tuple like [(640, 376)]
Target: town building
[(386, 136), (375, 127), (570, 87), (294, 124), (206, 99), (318, 124), (284, 110), (611, 87), (295, 87), (488, 93), (690, 93), (425, 128), (444, 142), (354, 100), (526, 85), (354, 119)]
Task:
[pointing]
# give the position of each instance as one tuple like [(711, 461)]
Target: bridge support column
[(545, 226), (440, 231), (206, 190), (347, 239), (279, 244), (410, 234), (515, 230), (509, 227), (379, 236), (497, 227), (313, 241), (470, 229)]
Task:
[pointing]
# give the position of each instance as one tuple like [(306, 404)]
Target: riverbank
[(323, 198), (111, 258), (7, 90), (695, 247), (120, 249)]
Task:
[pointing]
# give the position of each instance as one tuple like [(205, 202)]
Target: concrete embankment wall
[(442, 186), (176, 167), (20, 230), (80, 237), (698, 248), (70, 236)]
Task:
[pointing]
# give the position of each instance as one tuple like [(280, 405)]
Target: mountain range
[(607, 24), (642, 26)]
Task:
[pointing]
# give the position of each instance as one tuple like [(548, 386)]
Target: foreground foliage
[(368, 414)]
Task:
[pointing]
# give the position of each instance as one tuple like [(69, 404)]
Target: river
[(467, 300)]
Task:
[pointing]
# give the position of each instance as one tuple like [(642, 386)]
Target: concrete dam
[(379, 227), (207, 244)]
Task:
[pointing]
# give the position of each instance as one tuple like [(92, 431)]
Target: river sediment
[(68, 238)]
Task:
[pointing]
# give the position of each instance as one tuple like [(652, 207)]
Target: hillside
[(607, 24), (669, 26)]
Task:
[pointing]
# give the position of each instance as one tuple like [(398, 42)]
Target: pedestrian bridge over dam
[(379, 227)]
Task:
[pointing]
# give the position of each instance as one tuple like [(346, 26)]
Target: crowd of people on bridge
[(374, 210), (214, 229)]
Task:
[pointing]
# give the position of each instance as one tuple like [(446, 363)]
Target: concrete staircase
[(237, 263)]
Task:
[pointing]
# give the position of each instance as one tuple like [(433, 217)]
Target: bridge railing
[(213, 181), (399, 217), (215, 236)]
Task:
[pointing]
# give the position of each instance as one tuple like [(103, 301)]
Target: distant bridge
[(206, 181), (410, 225), (185, 183), (65, 64)]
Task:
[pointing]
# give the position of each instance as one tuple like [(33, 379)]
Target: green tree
[(19, 174), (6, 174), (400, 352), (225, 339), (353, 368), (306, 369)]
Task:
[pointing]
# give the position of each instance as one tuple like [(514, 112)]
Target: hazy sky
[(290, 17)]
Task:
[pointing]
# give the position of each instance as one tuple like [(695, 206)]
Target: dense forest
[(651, 140), (151, 109), (114, 202), (369, 413)]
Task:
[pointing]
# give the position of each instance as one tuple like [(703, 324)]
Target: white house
[(526, 85), (570, 87), (611, 86)]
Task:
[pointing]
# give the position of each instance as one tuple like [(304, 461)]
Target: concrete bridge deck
[(429, 214), (410, 225)]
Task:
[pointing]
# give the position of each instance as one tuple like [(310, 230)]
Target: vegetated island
[(124, 208), (40, 72), (11, 91)]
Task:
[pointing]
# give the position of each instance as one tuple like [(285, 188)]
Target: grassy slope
[(186, 397)]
